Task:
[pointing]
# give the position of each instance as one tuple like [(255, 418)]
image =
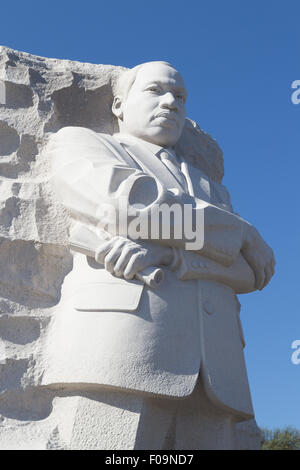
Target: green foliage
[(280, 439)]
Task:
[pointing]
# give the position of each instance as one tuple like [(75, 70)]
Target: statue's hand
[(259, 256), (124, 258)]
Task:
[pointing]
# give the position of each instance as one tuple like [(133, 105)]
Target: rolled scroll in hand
[(85, 241)]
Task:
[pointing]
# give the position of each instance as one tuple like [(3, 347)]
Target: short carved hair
[(127, 78)]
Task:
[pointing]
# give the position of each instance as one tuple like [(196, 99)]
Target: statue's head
[(149, 103)]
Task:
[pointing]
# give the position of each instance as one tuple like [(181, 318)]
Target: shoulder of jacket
[(79, 136), (71, 144)]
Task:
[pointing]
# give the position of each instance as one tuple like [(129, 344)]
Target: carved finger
[(112, 257), (124, 259), (259, 278), (102, 251), (133, 266), (273, 263), (268, 275), (273, 268)]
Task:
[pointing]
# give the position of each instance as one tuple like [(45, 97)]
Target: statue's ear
[(117, 107)]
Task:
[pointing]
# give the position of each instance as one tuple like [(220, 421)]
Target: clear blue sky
[(239, 59)]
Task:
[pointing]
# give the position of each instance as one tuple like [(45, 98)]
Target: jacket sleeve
[(101, 187), (191, 265)]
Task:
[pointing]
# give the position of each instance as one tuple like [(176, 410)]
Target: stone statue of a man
[(149, 368)]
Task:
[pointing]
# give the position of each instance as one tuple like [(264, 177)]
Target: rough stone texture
[(38, 96)]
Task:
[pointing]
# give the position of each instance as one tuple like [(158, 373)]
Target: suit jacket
[(111, 332)]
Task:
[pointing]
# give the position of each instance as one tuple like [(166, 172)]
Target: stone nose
[(168, 101)]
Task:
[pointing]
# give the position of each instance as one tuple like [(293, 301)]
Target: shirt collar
[(130, 139)]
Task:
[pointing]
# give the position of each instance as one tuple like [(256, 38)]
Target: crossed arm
[(88, 176), (124, 258)]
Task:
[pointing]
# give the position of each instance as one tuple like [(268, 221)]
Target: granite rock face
[(38, 96)]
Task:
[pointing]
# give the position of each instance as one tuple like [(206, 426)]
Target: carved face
[(154, 109)]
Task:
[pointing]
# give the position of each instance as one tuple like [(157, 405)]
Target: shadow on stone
[(32, 273), (32, 404), (18, 96), (19, 329), (11, 373), (74, 106), (9, 139)]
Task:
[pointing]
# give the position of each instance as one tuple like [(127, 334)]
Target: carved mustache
[(167, 114)]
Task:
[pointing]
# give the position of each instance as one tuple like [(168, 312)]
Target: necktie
[(170, 160)]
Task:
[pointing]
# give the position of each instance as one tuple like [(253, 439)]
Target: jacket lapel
[(198, 185), (151, 164)]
